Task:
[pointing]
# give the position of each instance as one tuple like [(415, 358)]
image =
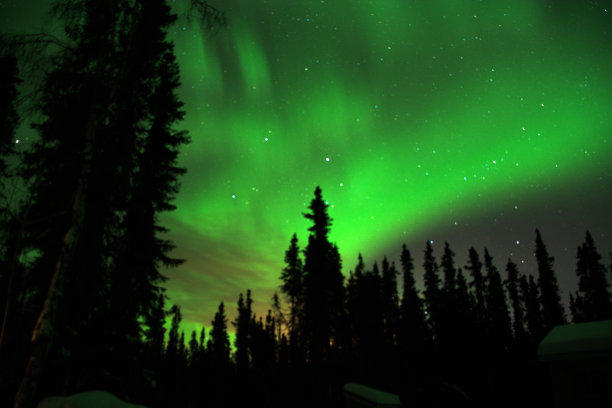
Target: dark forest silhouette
[(82, 298)]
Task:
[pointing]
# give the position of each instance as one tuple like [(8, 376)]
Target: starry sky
[(473, 122)]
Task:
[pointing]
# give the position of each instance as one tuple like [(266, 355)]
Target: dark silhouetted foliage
[(592, 300), (552, 309)]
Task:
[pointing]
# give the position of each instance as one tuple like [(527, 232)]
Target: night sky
[(473, 122)]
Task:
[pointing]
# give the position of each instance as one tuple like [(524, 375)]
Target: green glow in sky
[(413, 117), (468, 121)]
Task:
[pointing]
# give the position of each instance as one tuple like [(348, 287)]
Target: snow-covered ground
[(89, 399)]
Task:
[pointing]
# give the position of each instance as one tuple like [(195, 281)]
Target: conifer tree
[(467, 322), (323, 283), (448, 319), (194, 349), (413, 330), (292, 277), (220, 345), (552, 309), (432, 289), (370, 330), (114, 87), (355, 303), (576, 304), (390, 302), (592, 301), (448, 268), (154, 335), (202, 348), (182, 352), (512, 284), (279, 315), (530, 297), (499, 321), (465, 301), (172, 350), (243, 332), (478, 285)]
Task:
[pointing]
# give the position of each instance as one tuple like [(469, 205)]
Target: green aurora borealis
[(468, 121)]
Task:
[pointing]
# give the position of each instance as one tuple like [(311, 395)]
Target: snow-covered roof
[(371, 395), (575, 340)]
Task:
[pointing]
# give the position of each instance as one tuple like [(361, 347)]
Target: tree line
[(82, 297), (469, 338)]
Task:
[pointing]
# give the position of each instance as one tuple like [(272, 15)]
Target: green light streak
[(422, 110)]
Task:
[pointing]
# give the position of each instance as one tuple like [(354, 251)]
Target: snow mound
[(359, 395), (89, 399)]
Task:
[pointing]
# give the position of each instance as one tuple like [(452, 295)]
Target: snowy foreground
[(89, 399)]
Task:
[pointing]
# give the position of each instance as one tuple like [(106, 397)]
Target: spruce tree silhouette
[(413, 332), (372, 332), (448, 268), (518, 308), (413, 336), (390, 309), (220, 346), (193, 349), (530, 295), (552, 309), (592, 300), (243, 332), (323, 284), (113, 87), (292, 286), (219, 363), (356, 304), (448, 319), (432, 291), (478, 286), (499, 334)]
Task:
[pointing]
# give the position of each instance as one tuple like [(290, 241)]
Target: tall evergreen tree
[(182, 351), (478, 285), (154, 332), (390, 302), (220, 345), (355, 303), (499, 325), (243, 332), (518, 313), (552, 309), (367, 318), (279, 315), (114, 87), (202, 341), (592, 301), (323, 283), (465, 301), (448, 319), (448, 268), (193, 349), (292, 277), (432, 289), (576, 305), (530, 297), (413, 330), (172, 350)]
